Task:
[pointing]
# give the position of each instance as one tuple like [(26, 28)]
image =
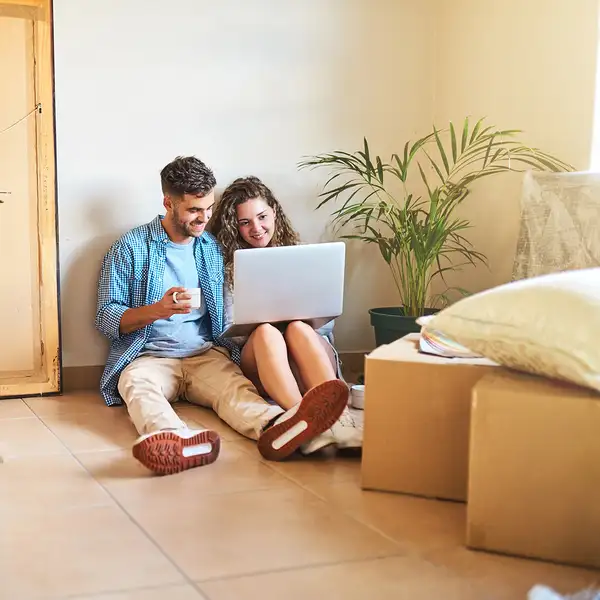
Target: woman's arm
[(327, 331), (227, 306)]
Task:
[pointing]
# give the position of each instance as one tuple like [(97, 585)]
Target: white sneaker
[(345, 433), (170, 451), (324, 440), (348, 431)]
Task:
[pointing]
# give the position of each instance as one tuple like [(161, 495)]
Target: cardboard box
[(417, 410), (534, 484)]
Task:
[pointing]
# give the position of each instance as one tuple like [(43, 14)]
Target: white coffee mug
[(196, 297)]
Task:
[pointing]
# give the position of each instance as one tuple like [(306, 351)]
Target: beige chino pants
[(150, 384)]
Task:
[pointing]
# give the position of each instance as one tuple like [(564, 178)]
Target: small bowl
[(357, 396)]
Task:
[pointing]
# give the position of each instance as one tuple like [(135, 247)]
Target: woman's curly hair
[(224, 222)]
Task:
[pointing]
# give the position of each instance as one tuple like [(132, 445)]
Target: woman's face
[(256, 222)]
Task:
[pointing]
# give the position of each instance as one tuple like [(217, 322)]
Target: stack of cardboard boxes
[(522, 451)]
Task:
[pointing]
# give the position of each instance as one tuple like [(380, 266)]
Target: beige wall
[(527, 65), (251, 87)]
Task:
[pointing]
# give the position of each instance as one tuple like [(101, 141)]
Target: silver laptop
[(287, 283)]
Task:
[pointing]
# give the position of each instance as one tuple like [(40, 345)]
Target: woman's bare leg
[(265, 362), (312, 355)]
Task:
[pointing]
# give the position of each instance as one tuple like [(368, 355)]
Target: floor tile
[(249, 447), (27, 437), (46, 483), (383, 579), (180, 592), (14, 409), (133, 485), (80, 551), (513, 574), (99, 525), (73, 402), (105, 429), (320, 470), (416, 524), (234, 534)]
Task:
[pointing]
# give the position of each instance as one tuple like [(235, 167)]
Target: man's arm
[(136, 318), (113, 290), (114, 316)]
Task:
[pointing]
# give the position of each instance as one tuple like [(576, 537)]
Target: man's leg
[(148, 386), (212, 379)]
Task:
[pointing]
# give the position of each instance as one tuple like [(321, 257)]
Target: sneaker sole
[(320, 408), (163, 453)]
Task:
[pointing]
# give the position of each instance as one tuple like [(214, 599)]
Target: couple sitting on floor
[(282, 389)]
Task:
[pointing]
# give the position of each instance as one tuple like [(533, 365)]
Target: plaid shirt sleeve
[(113, 290)]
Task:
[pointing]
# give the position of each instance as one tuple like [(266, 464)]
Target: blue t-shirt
[(181, 335)]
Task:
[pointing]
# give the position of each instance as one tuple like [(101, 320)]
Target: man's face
[(189, 213)]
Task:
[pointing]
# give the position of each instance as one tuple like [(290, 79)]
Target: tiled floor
[(79, 518)]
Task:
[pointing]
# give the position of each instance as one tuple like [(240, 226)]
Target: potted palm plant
[(419, 235)]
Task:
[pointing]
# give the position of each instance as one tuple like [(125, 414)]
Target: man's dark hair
[(187, 175)]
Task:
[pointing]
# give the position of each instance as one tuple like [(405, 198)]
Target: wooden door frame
[(49, 379)]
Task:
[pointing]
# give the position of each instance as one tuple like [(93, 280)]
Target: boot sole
[(320, 408), (162, 453)]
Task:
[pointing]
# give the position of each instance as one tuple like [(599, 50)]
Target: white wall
[(249, 87), (527, 65)]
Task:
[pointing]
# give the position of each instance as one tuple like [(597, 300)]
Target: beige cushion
[(548, 325)]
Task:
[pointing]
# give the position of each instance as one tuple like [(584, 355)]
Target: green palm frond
[(419, 237)]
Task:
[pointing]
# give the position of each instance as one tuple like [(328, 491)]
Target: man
[(161, 349)]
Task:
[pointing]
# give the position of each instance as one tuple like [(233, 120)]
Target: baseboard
[(82, 378), (88, 377)]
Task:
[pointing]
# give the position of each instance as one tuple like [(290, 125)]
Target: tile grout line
[(320, 565), (344, 512), (196, 584), (91, 596), (187, 579), (303, 567), (325, 501), (33, 416), (356, 519)]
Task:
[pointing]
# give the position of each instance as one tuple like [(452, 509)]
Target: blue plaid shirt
[(132, 276)]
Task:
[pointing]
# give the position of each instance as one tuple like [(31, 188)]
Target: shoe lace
[(347, 420)]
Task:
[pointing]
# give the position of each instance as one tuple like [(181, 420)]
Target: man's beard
[(185, 229)]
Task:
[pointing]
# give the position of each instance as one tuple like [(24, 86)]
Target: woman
[(282, 366)]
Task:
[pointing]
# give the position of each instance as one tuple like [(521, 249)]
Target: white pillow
[(548, 325)]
